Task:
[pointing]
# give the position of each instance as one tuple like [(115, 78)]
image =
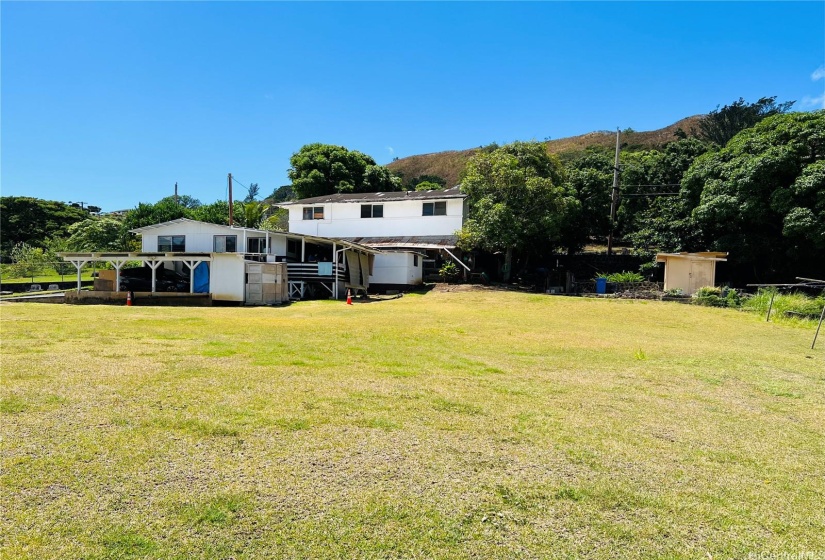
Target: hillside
[(451, 163)]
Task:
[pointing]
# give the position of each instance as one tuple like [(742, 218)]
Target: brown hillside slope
[(451, 163)]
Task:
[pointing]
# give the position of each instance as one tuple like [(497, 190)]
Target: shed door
[(700, 275)]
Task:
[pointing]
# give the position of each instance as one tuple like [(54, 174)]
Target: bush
[(622, 277), (712, 296), (449, 272)]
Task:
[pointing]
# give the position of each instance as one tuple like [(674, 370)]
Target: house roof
[(453, 192), (411, 242), (190, 221)]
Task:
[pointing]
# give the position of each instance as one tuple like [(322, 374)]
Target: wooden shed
[(690, 271)]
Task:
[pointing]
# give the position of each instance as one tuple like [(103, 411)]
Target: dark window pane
[(428, 209), (307, 213), (366, 211), (440, 208), (231, 243), (378, 211), (319, 213)]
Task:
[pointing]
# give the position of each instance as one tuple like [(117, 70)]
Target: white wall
[(200, 237), (401, 218), (397, 268), (226, 277)]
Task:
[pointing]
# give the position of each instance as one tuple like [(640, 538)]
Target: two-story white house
[(412, 228)]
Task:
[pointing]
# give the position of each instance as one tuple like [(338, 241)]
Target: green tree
[(651, 221), (518, 201), (321, 169), (96, 234), (762, 197), (252, 193), (281, 194), (589, 178), (215, 213), (27, 261), (427, 186), (720, 125), (32, 221), (415, 181), (146, 214)]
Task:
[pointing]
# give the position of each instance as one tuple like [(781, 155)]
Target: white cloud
[(819, 73), (269, 96), (390, 150), (818, 102)]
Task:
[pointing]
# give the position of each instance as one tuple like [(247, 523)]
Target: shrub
[(710, 296), (622, 277), (449, 272)]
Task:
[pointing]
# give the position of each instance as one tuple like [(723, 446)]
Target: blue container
[(601, 285)]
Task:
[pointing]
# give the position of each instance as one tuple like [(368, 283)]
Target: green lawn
[(452, 425)]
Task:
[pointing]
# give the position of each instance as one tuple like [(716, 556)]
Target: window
[(435, 208), (256, 245), (415, 260), (291, 247), (372, 210), (225, 243), (314, 213), (171, 243)]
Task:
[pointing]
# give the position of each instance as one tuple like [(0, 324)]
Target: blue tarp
[(202, 278)]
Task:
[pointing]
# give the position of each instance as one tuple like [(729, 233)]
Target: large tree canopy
[(320, 169), (32, 221), (720, 125), (518, 201), (762, 197), (96, 234)]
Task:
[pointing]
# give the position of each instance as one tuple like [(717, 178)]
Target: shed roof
[(703, 256), (453, 192)]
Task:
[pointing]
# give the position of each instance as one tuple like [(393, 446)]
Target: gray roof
[(453, 192)]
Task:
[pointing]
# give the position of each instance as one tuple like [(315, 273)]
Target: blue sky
[(111, 103)]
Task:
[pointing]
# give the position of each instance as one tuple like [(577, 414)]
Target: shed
[(690, 271)]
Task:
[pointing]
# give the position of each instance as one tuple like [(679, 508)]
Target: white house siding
[(226, 277), (401, 218), (397, 269), (199, 236)]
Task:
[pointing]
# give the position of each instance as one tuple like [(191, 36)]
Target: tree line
[(749, 180)]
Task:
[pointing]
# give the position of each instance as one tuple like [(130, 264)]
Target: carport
[(153, 260)]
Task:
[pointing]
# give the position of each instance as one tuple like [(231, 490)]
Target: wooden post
[(822, 316), (230, 200), (770, 306), (614, 198)]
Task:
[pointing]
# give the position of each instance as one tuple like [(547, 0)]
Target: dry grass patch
[(475, 424)]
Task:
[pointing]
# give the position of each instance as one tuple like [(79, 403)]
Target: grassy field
[(451, 425)]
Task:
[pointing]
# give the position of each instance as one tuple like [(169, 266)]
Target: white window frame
[(221, 247), (171, 243), (434, 206)]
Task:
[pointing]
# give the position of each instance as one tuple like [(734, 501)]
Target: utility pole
[(230, 200), (176, 193), (614, 198)]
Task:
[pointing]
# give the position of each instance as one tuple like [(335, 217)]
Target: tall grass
[(793, 307)]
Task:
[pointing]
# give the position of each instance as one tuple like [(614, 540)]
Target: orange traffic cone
[(349, 297), (129, 299)]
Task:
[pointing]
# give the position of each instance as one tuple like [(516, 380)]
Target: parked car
[(140, 280)]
